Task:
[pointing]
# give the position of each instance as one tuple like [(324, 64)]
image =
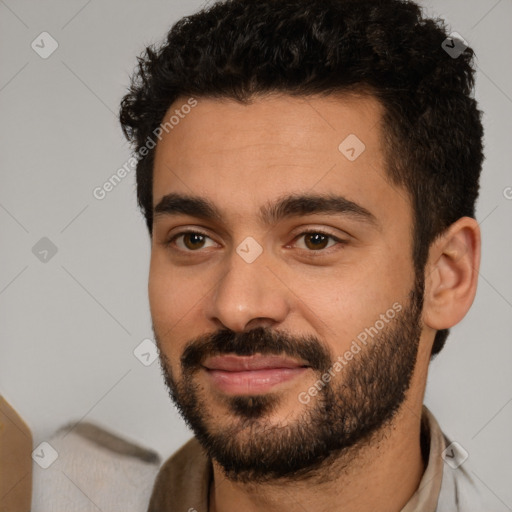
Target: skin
[(241, 157)]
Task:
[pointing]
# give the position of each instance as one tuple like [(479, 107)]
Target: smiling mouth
[(239, 375)]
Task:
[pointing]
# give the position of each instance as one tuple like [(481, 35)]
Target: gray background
[(69, 326)]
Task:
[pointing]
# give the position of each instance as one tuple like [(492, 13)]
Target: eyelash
[(339, 241)]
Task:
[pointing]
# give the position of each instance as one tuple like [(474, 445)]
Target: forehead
[(297, 123), (239, 156)]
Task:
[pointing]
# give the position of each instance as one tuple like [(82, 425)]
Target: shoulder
[(177, 468), (86, 467), (183, 480), (461, 489)]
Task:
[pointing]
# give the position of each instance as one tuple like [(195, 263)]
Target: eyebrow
[(286, 207)]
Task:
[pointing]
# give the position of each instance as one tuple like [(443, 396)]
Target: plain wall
[(68, 327)]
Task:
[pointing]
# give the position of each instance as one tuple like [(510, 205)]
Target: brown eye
[(190, 241), (193, 240), (315, 241)]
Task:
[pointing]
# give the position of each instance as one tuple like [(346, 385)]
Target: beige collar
[(184, 480)]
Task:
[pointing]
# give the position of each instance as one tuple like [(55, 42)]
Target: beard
[(346, 414)]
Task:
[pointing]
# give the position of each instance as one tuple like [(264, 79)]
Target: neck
[(381, 475)]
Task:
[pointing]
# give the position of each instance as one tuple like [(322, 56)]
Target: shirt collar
[(184, 480), (426, 496)]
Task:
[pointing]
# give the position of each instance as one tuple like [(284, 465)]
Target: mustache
[(260, 340)]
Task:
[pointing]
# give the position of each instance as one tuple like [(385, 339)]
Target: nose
[(247, 296)]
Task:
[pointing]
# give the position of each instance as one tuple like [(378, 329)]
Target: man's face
[(253, 306)]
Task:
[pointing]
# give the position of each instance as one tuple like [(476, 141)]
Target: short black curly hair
[(237, 49)]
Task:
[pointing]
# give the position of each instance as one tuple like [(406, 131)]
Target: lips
[(231, 363), (251, 374)]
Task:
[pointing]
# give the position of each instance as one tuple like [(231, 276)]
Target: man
[(308, 171)]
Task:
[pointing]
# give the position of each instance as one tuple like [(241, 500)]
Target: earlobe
[(451, 274)]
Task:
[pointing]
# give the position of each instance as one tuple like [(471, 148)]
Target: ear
[(451, 274)]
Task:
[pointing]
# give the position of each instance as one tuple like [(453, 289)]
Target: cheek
[(166, 311), (171, 299), (343, 303), (167, 290)]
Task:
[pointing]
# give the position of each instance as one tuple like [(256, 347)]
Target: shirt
[(183, 482)]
